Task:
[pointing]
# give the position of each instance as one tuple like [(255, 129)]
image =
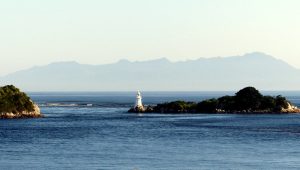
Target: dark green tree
[(227, 103), (248, 99), (175, 107), (281, 103), (207, 106), (13, 100), (268, 103)]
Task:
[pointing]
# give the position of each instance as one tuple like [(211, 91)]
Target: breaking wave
[(65, 105), (61, 104)]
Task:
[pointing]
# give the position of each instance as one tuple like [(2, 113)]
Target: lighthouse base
[(139, 109)]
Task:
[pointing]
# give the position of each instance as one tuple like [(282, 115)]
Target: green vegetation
[(12, 100), (176, 107), (247, 100)]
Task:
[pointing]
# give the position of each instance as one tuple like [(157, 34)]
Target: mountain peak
[(258, 55), (65, 63), (123, 61), (159, 60)]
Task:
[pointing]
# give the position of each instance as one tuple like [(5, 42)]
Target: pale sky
[(38, 32)]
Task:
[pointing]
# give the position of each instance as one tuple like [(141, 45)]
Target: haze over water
[(77, 135)]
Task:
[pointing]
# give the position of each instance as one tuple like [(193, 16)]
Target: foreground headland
[(16, 104), (246, 101)]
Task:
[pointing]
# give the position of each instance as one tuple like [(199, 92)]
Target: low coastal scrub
[(16, 104), (247, 100)]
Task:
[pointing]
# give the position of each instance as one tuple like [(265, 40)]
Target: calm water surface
[(93, 131)]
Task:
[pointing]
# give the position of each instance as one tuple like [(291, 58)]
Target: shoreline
[(36, 113), (295, 111)]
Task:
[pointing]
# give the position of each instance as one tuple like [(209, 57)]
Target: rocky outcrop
[(36, 113), (16, 104), (144, 109), (290, 109)]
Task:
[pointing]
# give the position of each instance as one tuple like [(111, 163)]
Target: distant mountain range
[(228, 73)]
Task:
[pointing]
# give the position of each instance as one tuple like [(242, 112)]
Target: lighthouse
[(138, 102)]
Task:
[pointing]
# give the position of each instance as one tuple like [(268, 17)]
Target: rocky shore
[(290, 109), (36, 113), (166, 109), (153, 109)]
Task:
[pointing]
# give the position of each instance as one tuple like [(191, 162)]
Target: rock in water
[(16, 104)]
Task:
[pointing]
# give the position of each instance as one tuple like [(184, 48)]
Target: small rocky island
[(247, 101), (16, 104)]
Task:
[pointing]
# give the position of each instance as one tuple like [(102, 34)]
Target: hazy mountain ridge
[(229, 73)]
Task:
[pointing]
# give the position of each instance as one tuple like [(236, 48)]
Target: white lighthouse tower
[(138, 101)]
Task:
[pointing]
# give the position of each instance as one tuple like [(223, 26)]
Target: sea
[(92, 130)]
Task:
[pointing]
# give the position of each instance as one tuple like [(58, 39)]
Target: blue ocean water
[(93, 131)]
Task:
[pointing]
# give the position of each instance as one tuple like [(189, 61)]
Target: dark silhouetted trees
[(248, 99), (207, 106)]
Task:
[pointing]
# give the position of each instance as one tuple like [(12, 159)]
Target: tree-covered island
[(16, 104), (246, 101)]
